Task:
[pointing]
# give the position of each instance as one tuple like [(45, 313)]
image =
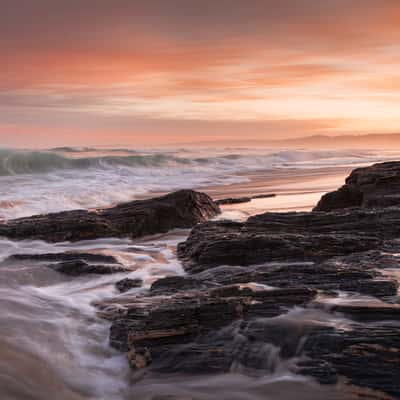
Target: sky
[(88, 72)]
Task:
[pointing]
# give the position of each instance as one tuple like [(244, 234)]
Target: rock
[(225, 316), (80, 267), (369, 356), (127, 284), (244, 199), (264, 196), (374, 186), (174, 284), (233, 200), (74, 263), (354, 273), (234, 309), (148, 324), (311, 236), (67, 256), (369, 312), (209, 331), (182, 209), (381, 223), (214, 244)]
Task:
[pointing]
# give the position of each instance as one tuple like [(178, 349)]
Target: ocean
[(53, 345)]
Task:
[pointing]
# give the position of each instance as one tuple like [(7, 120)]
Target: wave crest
[(17, 162)]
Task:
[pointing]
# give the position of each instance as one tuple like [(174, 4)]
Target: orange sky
[(153, 72)]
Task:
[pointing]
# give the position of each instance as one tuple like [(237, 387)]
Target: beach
[(51, 321)]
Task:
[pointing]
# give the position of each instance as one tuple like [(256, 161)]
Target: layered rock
[(288, 237), (374, 186), (73, 263), (127, 284), (244, 199), (182, 209), (357, 273), (152, 322), (248, 282), (369, 356)]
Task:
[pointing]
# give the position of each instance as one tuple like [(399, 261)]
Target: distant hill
[(368, 141), (382, 141)]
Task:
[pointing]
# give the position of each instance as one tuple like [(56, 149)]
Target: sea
[(53, 343)]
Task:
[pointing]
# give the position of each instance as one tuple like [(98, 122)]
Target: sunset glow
[(156, 72)]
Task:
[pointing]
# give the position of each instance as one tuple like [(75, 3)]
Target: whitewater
[(54, 345), (34, 182)]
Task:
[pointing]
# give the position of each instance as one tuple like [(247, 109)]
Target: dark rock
[(369, 312), (288, 237), (264, 196), (233, 200), (354, 273), (369, 356), (174, 284), (374, 186), (126, 284), (381, 223), (344, 197), (181, 209), (232, 310), (214, 244), (180, 318), (80, 267), (244, 199), (74, 263), (67, 256)]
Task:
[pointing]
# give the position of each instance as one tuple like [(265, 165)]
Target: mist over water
[(33, 182), (54, 345)]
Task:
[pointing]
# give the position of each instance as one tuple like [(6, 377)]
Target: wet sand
[(295, 190)]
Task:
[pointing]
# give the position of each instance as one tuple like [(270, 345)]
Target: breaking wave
[(34, 182), (14, 162)]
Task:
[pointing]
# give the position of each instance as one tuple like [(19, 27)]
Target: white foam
[(41, 182)]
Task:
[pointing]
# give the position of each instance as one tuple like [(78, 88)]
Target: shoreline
[(277, 273), (285, 183)]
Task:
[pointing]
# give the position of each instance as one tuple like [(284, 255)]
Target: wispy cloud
[(71, 64)]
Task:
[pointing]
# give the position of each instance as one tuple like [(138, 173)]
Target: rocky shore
[(314, 291), (245, 283), (181, 209)]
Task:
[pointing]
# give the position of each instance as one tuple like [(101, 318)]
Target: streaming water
[(52, 343), (54, 346)]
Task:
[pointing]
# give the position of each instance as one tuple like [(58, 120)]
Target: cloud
[(197, 61)]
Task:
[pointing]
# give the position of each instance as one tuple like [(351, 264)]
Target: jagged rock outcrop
[(288, 237), (248, 282), (73, 263), (181, 209), (368, 356), (374, 186), (127, 284), (244, 199)]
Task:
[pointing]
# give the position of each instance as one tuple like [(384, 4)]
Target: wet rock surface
[(245, 199), (368, 356), (288, 237), (80, 267), (73, 263), (67, 256), (182, 209), (229, 317), (374, 186), (312, 292), (127, 284), (233, 200)]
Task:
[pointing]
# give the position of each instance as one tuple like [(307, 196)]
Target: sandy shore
[(295, 189)]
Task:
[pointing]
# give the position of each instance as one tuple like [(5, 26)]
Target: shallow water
[(34, 182), (53, 345)]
